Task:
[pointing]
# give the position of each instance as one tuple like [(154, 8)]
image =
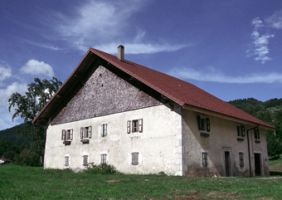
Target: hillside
[(22, 144), (269, 111)]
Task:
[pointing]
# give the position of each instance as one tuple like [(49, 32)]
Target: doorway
[(227, 162), (257, 157)]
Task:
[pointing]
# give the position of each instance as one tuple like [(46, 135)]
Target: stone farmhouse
[(111, 110)]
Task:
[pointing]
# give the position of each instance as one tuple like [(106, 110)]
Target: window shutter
[(81, 133), (243, 131), (71, 134), (140, 124), (238, 131), (106, 129), (199, 121), (208, 124), (90, 131), (128, 126), (101, 130), (63, 134)]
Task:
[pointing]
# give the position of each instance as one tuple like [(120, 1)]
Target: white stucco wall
[(223, 137), (159, 145)]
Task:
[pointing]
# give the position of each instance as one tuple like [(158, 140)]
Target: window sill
[(67, 142), (85, 141), (204, 134), (240, 139)]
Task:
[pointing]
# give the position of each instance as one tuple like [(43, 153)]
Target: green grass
[(17, 182), (275, 165)]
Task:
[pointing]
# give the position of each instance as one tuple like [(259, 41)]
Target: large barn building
[(111, 110)]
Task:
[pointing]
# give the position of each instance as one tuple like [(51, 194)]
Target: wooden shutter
[(140, 124), (238, 131), (128, 126), (101, 130), (63, 134), (71, 134), (199, 122), (243, 131), (90, 131), (208, 124), (81, 133)]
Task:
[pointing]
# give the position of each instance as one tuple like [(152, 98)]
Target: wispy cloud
[(43, 45), (262, 34), (5, 72), (141, 48), (102, 24), (275, 20), (36, 67), (260, 50), (212, 75)]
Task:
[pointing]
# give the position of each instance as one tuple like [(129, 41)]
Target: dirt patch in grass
[(113, 181), (222, 195)]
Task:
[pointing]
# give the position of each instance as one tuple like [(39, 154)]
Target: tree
[(26, 107), (38, 93)]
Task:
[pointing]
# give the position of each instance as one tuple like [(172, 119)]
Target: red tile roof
[(179, 91)]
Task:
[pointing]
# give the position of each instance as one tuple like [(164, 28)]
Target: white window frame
[(104, 130), (135, 158), (138, 126), (85, 132), (67, 156), (241, 132), (87, 159), (67, 134), (204, 124), (103, 158), (205, 159)]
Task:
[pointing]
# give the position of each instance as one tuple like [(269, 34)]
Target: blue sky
[(231, 48)]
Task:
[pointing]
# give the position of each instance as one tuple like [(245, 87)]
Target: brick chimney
[(120, 52)]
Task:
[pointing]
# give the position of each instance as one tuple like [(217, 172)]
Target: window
[(85, 160), (241, 159), (67, 136), (135, 126), (203, 123), (67, 161), (85, 132), (103, 158), (204, 159), (104, 130), (241, 131), (257, 135), (135, 158)]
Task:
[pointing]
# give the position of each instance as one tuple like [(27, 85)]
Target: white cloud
[(275, 20), (5, 72), (101, 24), (5, 93), (43, 45), (35, 67), (213, 75), (141, 48), (260, 41)]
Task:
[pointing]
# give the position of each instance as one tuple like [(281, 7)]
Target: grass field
[(17, 182), (275, 165)]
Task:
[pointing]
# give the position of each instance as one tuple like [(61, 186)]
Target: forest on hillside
[(269, 111)]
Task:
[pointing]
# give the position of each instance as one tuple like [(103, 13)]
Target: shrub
[(101, 169)]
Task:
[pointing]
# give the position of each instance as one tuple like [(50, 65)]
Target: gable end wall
[(104, 93)]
